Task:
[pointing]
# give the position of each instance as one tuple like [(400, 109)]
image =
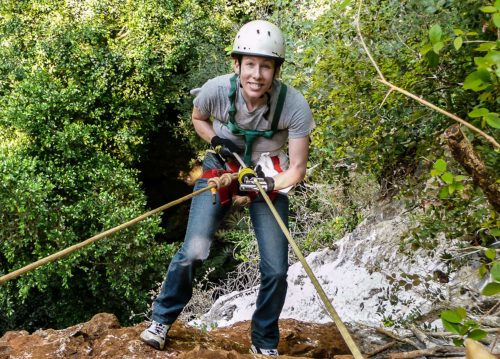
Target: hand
[(269, 181), (250, 185), (224, 147)]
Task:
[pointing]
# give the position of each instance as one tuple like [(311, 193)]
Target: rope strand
[(329, 307), (65, 252)]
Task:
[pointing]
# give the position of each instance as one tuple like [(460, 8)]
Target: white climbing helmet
[(260, 38)]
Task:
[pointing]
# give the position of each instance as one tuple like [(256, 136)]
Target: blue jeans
[(204, 219)]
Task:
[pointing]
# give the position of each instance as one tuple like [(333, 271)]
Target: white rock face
[(367, 277)]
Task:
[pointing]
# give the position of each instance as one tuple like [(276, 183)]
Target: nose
[(256, 73)]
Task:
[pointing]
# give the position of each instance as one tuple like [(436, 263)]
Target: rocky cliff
[(104, 337)]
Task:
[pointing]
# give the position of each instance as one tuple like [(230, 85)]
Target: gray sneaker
[(268, 352), (155, 335)]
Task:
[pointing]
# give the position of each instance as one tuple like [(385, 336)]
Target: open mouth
[(255, 86)]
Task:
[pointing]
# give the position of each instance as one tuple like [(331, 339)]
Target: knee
[(194, 252), (278, 276)]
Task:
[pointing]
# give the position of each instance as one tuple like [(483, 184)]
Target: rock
[(104, 337)]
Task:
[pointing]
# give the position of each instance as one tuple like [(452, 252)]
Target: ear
[(277, 72), (236, 65)]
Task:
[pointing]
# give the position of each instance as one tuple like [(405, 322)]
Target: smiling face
[(256, 77)]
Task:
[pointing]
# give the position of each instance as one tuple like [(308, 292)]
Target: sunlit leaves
[(86, 82), (435, 33), (455, 321), (452, 183)]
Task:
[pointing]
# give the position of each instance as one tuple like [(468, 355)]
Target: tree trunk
[(464, 153)]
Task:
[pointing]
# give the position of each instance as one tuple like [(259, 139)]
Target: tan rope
[(64, 252), (329, 307)]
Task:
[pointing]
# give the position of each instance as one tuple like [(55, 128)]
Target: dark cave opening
[(165, 156)]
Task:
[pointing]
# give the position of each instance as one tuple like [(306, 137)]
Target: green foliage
[(493, 268), (239, 232), (38, 219), (82, 86), (484, 79), (452, 183), (455, 321)]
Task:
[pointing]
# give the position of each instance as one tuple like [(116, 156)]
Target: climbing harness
[(251, 135), (214, 184)]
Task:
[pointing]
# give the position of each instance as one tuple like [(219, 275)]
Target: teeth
[(254, 85)]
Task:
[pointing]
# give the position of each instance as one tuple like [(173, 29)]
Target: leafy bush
[(83, 84)]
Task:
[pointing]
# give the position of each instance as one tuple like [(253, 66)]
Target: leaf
[(437, 47), (461, 312), (440, 165), (451, 316), (426, 49), (478, 112), (460, 178), (451, 327), (486, 46), (491, 289), (471, 324), (488, 9), (344, 4), (493, 120), (490, 253), (435, 34), (496, 19), (444, 193), (458, 32), (477, 334), (483, 270), (495, 271), (458, 342), (477, 80), (447, 177), (432, 58), (430, 9), (495, 232), (457, 43), (463, 330), (497, 4), (492, 58)]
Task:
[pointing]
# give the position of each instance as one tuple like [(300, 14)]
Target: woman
[(250, 113)]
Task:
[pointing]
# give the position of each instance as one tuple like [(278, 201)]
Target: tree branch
[(464, 153), (409, 94), (436, 351)]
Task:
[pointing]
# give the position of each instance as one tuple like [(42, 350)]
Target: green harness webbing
[(251, 135)]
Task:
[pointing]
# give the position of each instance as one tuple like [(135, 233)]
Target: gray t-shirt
[(295, 121)]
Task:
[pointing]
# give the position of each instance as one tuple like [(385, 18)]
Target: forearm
[(298, 150), (289, 177), (202, 126)]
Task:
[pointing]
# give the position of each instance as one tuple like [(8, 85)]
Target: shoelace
[(159, 328), (269, 352)]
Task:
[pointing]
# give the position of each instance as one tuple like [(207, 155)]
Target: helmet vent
[(269, 33), (258, 31)]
